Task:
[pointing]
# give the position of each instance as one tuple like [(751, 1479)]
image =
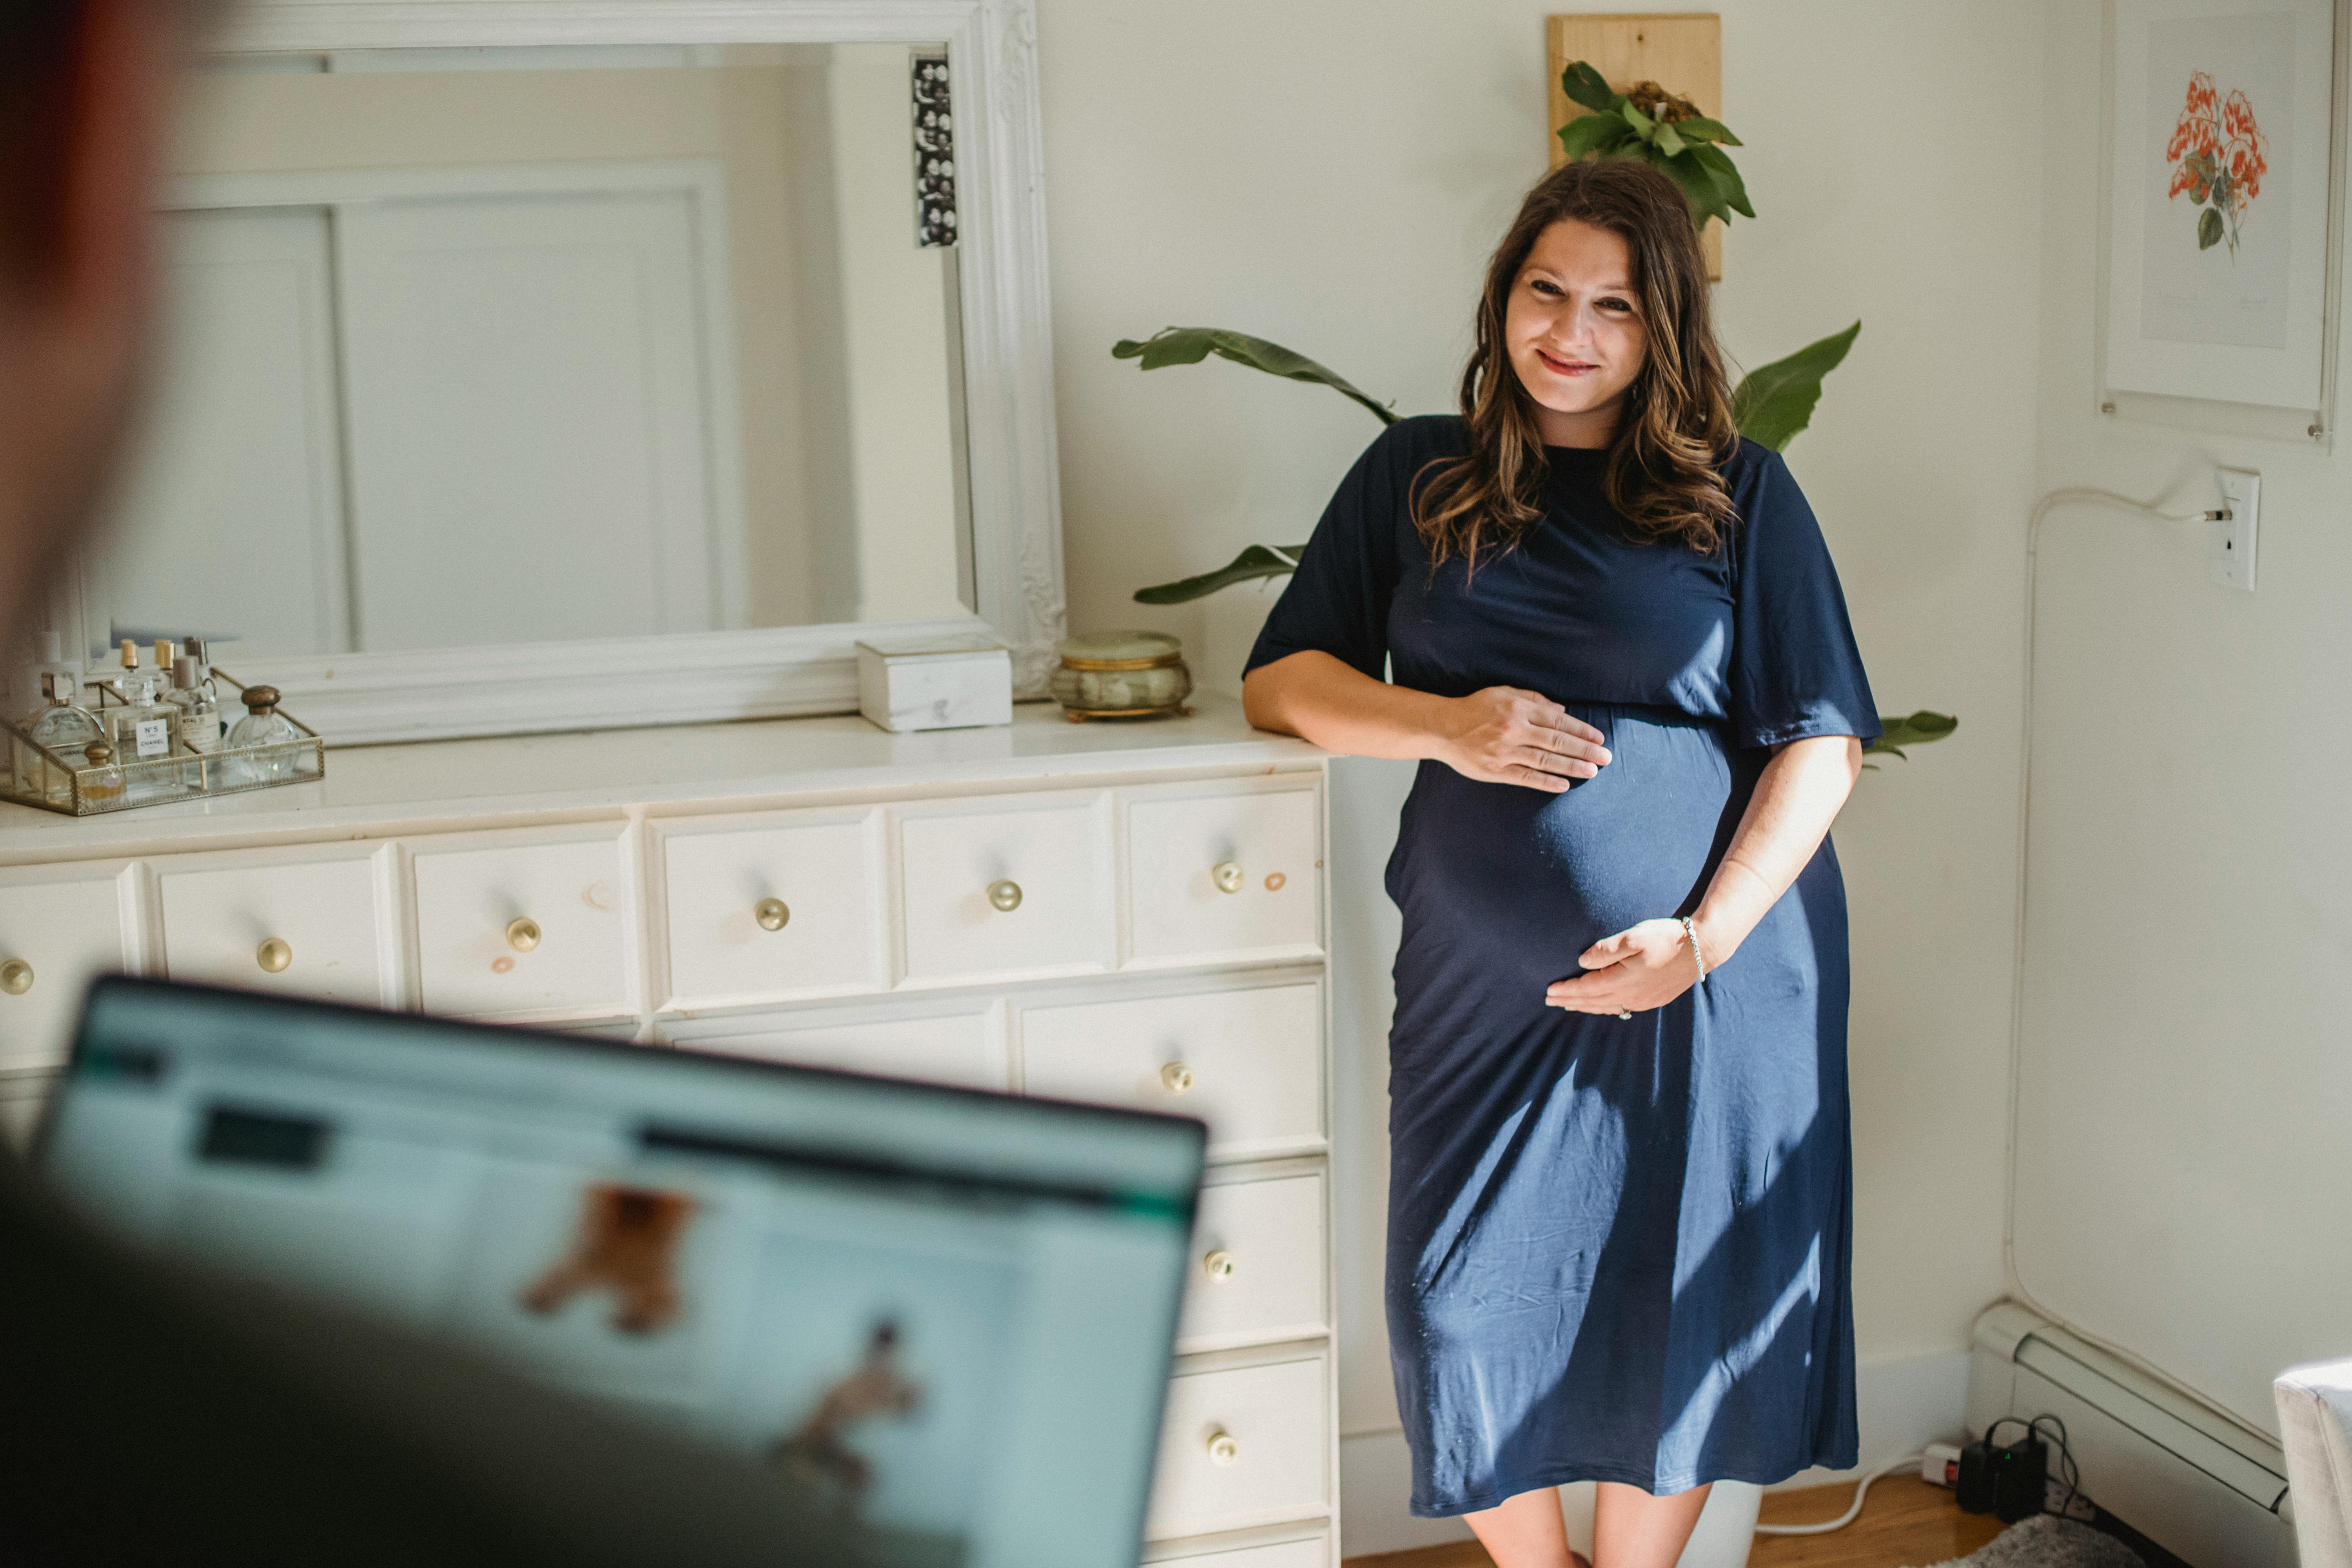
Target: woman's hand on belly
[(1643, 967), (1504, 736)]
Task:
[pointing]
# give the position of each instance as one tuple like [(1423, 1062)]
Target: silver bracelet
[(1698, 954)]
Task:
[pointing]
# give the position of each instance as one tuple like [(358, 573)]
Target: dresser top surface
[(443, 785)]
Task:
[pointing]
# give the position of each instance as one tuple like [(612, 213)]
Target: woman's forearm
[(1499, 735), (1339, 708), (1800, 794)]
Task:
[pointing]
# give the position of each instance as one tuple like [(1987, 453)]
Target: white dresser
[(1132, 914)]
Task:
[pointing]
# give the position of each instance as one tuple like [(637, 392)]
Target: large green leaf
[(1190, 345), (1775, 401), (1727, 178), (1910, 729), (1593, 133), (1588, 86), (1258, 561), (1700, 184), (1699, 127), (1663, 138)]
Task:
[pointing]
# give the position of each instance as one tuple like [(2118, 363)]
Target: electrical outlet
[(2230, 544)]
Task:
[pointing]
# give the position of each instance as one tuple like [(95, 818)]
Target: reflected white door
[(232, 523), (529, 431)]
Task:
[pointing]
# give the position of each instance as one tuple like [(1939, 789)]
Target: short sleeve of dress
[(1337, 601), (1795, 670)]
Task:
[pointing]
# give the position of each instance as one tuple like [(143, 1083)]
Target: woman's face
[(1575, 332)]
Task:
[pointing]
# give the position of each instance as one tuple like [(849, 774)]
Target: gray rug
[(2046, 1540)]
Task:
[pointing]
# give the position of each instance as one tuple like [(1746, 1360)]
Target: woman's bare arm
[(1648, 965), (1502, 734)]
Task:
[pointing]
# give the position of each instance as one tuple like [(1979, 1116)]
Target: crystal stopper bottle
[(63, 729), (262, 725)]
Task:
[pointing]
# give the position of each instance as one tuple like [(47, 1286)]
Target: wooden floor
[(1906, 1524)]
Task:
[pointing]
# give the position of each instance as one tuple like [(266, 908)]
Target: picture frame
[(2224, 194)]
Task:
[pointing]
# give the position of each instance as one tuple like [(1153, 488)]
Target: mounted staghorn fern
[(1658, 127)]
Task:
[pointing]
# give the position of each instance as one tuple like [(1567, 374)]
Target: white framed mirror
[(542, 365)]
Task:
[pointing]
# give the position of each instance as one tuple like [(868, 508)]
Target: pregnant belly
[(1503, 885)]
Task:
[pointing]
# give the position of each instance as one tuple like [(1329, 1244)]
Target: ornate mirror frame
[(1015, 508)]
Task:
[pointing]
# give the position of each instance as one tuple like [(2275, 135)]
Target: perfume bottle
[(49, 660), (144, 727), (200, 720), (194, 651), (65, 731), (262, 725), (101, 781)]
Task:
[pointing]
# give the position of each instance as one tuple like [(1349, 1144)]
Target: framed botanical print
[(2219, 259)]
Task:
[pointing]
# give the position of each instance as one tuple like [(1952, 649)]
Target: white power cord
[(2042, 509), (1907, 1462)]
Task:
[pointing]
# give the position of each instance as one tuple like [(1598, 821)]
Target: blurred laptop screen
[(945, 1312)]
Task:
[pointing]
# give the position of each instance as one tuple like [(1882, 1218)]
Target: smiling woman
[(1619, 1210)]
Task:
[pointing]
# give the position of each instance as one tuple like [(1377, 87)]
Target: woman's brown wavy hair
[(1674, 429)]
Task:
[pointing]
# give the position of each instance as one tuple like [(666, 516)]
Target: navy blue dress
[(1618, 1250)]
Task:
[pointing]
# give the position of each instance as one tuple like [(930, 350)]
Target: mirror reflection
[(483, 347)]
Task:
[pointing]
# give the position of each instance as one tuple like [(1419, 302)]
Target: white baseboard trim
[(1902, 1402)]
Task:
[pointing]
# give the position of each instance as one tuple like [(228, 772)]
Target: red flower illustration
[(2217, 151)]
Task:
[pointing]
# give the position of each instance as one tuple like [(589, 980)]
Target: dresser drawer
[(789, 907), (1242, 1446), (1223, 873), (1249, 1063), (301, 924), (56, 930), (1257, 1269), (1315, 1553), (513, 925), (956, 1047), (1015, 888)]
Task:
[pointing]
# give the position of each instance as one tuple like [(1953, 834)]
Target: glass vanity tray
[(37, 776)]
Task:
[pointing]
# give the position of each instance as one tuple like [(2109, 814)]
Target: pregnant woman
[(1620, 1205)]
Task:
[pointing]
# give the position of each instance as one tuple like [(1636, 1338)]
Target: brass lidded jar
[(1122, 674)]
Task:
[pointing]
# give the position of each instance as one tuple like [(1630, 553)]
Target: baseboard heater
[(2180, 1472)]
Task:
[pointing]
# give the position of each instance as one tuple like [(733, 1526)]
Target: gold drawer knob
[(1229, 876), (1222, 1449), (772, 913), (274, 955), (1176, 1078), (1005, 896), (1218, 1266), (16, 977), (522, 933)]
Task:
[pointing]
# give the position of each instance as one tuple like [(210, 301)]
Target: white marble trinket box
[(935, 683)]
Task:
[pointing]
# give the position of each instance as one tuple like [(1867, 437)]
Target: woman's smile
[(1561, 364)]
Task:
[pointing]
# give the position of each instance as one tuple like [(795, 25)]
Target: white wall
[(1331, 175), (2184, 1182)]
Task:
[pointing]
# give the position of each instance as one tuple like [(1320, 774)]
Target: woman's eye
[(1623, 307), (1543, 287)]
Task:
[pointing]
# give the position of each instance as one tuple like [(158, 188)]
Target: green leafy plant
[(1658, 127), (1771, 404)]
